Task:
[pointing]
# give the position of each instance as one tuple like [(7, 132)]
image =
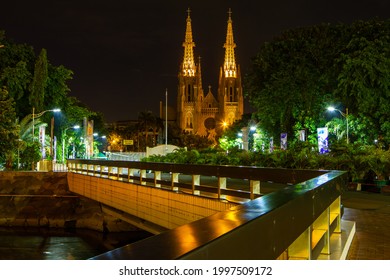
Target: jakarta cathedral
[(204, 114)]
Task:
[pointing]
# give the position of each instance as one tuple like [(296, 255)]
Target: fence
[(296, 221)]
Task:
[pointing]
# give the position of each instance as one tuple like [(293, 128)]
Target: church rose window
[(210, 123)]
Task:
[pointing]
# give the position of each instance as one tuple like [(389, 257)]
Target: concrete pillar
[(175, 179), (130, 174), (221, 186), (157, 177), (254, 188), (120, 169), (142, 175), (195, 182)]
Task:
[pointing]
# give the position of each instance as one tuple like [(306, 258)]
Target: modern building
[(204, 114)]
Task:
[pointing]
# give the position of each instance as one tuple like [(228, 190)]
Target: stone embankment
[(42, 199)]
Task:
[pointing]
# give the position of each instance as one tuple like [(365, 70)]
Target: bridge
[(220, 212)]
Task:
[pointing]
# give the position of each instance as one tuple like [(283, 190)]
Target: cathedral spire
[(199, 72), (188, 67), (229, 65)]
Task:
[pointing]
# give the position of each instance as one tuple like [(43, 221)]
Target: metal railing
[(208, 180), (293, 222), (128, 156)]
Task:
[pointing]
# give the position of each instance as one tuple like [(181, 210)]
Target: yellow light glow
[(224, 124)]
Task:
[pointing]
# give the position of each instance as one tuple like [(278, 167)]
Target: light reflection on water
[(58, 244)]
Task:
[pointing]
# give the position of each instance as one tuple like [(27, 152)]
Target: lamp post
[(39, 115), (33, 124), (166, 121), (19, 141), (345, 115), (63, 140)]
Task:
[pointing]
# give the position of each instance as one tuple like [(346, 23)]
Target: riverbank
[(43, 200)]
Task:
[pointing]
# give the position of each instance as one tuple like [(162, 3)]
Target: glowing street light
[(39, 115), (345, 115), (33, 124)]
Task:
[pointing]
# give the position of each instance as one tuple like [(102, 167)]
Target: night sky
[(126, 53)]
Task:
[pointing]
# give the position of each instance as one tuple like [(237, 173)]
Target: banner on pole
[(55, 148), (283, 141), (42, 140), (88, 140), (302, 135), (322, 134)]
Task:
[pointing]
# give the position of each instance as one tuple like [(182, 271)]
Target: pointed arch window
[(189, 93), (231, 98), (189, 121)]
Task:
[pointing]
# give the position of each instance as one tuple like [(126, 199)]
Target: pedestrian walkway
[(371, 212)]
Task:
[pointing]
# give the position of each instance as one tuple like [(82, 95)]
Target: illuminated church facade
[(200, 113)]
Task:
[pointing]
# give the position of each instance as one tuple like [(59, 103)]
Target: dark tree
[(296, 76), (39, 82), (8, 129)]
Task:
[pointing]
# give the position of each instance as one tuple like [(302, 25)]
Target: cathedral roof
[(210, 99)]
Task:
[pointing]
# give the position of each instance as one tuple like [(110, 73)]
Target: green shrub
[(357, 159)]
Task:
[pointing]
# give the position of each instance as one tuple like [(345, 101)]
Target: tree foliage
[(31, 81), (296, 76), (39, 82), (8, 128)]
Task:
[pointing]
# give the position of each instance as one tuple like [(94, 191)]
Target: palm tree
[(158, 125), (30, 150), (146, 120), (25, 132)]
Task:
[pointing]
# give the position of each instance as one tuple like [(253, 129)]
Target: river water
[(59, 244)]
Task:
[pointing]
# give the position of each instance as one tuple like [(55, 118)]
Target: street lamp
[(63, 140), (225, 124), (33, 124), (345, 115), (39, 115)]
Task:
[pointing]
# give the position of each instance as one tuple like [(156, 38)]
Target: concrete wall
[(43, 199), (129, 156), (161, 150), (164, 208)]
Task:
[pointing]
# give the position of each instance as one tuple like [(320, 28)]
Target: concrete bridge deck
[(302, 220)]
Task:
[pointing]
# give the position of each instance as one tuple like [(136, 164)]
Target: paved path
[(371, 212)]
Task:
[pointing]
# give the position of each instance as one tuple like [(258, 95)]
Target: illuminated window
[(189, 93), (189, 121)]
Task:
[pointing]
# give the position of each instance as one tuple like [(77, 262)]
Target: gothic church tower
[(230, 96), (203, 114), (190, 92)]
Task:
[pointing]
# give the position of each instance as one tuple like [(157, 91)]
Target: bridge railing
[(294, 222), (220, 179)]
